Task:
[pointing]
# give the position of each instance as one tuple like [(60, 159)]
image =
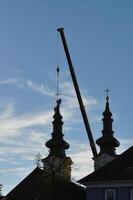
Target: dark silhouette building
[(53, 181), (113, 175), (113, 181)]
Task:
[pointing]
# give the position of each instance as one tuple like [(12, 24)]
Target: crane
[(79, 97)]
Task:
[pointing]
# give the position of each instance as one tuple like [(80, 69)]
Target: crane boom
[(74, 79)]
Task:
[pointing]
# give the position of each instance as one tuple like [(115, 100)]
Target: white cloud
[(14, 70), (41, 89), (67, 92), (83, 164), (9, 81), (21, 82), (8, 111), (11, 126), (14, 170), (70, 98), (125, 143)]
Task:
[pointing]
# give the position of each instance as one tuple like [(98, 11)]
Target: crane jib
[(74, 79)]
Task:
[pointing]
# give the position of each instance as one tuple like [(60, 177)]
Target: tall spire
[(56, 144), (107, 142)]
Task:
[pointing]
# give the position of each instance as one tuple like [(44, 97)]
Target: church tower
[(107, 142), (57, 162)]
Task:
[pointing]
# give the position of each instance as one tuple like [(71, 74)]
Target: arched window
[(110, 194)]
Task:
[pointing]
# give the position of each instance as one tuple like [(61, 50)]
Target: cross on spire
[(107, 92)]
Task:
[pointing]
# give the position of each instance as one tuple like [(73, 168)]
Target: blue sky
[(100, 39)]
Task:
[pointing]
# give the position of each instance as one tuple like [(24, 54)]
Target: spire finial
[(57, 88), (107, 94)]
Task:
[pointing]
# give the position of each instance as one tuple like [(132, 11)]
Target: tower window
[(110, 194)]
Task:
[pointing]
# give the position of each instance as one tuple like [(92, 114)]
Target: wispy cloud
[(70, 99), (66, 89), (8, 111), (8, 81), (82, 163), (41, 89), (10, 126), (16, 71), (14, 170), (125, 143)]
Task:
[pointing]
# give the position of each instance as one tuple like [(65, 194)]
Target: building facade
[(113, 181)]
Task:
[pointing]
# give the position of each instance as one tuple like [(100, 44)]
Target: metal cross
[(107, 92)]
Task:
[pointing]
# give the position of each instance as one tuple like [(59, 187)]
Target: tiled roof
[(121, 168), (25, 189), (33, 185)]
